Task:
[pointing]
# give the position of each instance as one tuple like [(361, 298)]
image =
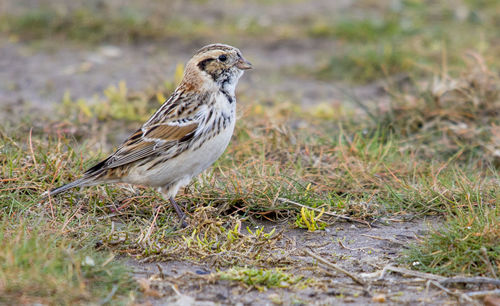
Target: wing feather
[(152, 142), (165, 129)]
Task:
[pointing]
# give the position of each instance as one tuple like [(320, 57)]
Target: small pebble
[(379, 298)]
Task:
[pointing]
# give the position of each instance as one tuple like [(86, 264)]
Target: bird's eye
[(222, 58)]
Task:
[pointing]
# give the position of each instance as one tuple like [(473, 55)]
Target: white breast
[(196, 158)]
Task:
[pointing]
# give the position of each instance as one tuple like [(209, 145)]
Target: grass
[(108, 22), (408, 162), (308, 219), (85, 24), (260, 278), (467, 245), (361, 30), (43, 266), (366, 64), (408, 38)]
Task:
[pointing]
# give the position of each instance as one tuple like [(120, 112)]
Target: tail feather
[(91, 177), (80, 182)]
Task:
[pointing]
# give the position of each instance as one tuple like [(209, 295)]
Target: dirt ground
[(38, 77), (362, 250)]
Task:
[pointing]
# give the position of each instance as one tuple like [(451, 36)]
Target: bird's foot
[(180, 213)]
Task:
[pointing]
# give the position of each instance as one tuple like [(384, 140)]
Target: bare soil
[(359, 249), (38, 76)]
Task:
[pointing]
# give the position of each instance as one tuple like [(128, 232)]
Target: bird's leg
[(179, 212)]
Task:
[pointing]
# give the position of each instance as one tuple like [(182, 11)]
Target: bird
[(185, 136)]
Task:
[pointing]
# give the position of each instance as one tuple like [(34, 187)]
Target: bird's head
[(217, 64)]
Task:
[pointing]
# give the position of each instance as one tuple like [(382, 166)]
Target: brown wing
[(175, 122), (151, 142)]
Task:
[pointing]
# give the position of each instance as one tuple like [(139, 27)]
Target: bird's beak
[(243, 64)]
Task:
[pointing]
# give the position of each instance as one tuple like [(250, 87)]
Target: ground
[(330, 118), (364, 250)]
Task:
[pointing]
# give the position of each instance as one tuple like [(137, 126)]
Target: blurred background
[(307, 53)]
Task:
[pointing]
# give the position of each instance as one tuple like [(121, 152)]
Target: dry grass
[(461, 113), (433, 152)]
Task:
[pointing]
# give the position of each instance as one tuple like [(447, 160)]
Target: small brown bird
[(185, 136)]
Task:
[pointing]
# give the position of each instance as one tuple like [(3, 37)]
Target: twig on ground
[(153, 223), (109, 216), (338, 284), (460, 296), (354, 249), (438, 281), (326, 212), (480, 294), (9, 179), (19, 188), (428, 276), (382, 238), (318, 246), (176, 289), (470, 280), (335, 267)]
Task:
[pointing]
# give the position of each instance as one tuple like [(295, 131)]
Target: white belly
[(184, 166)]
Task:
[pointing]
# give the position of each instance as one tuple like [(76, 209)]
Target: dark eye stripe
[(203, 64)]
